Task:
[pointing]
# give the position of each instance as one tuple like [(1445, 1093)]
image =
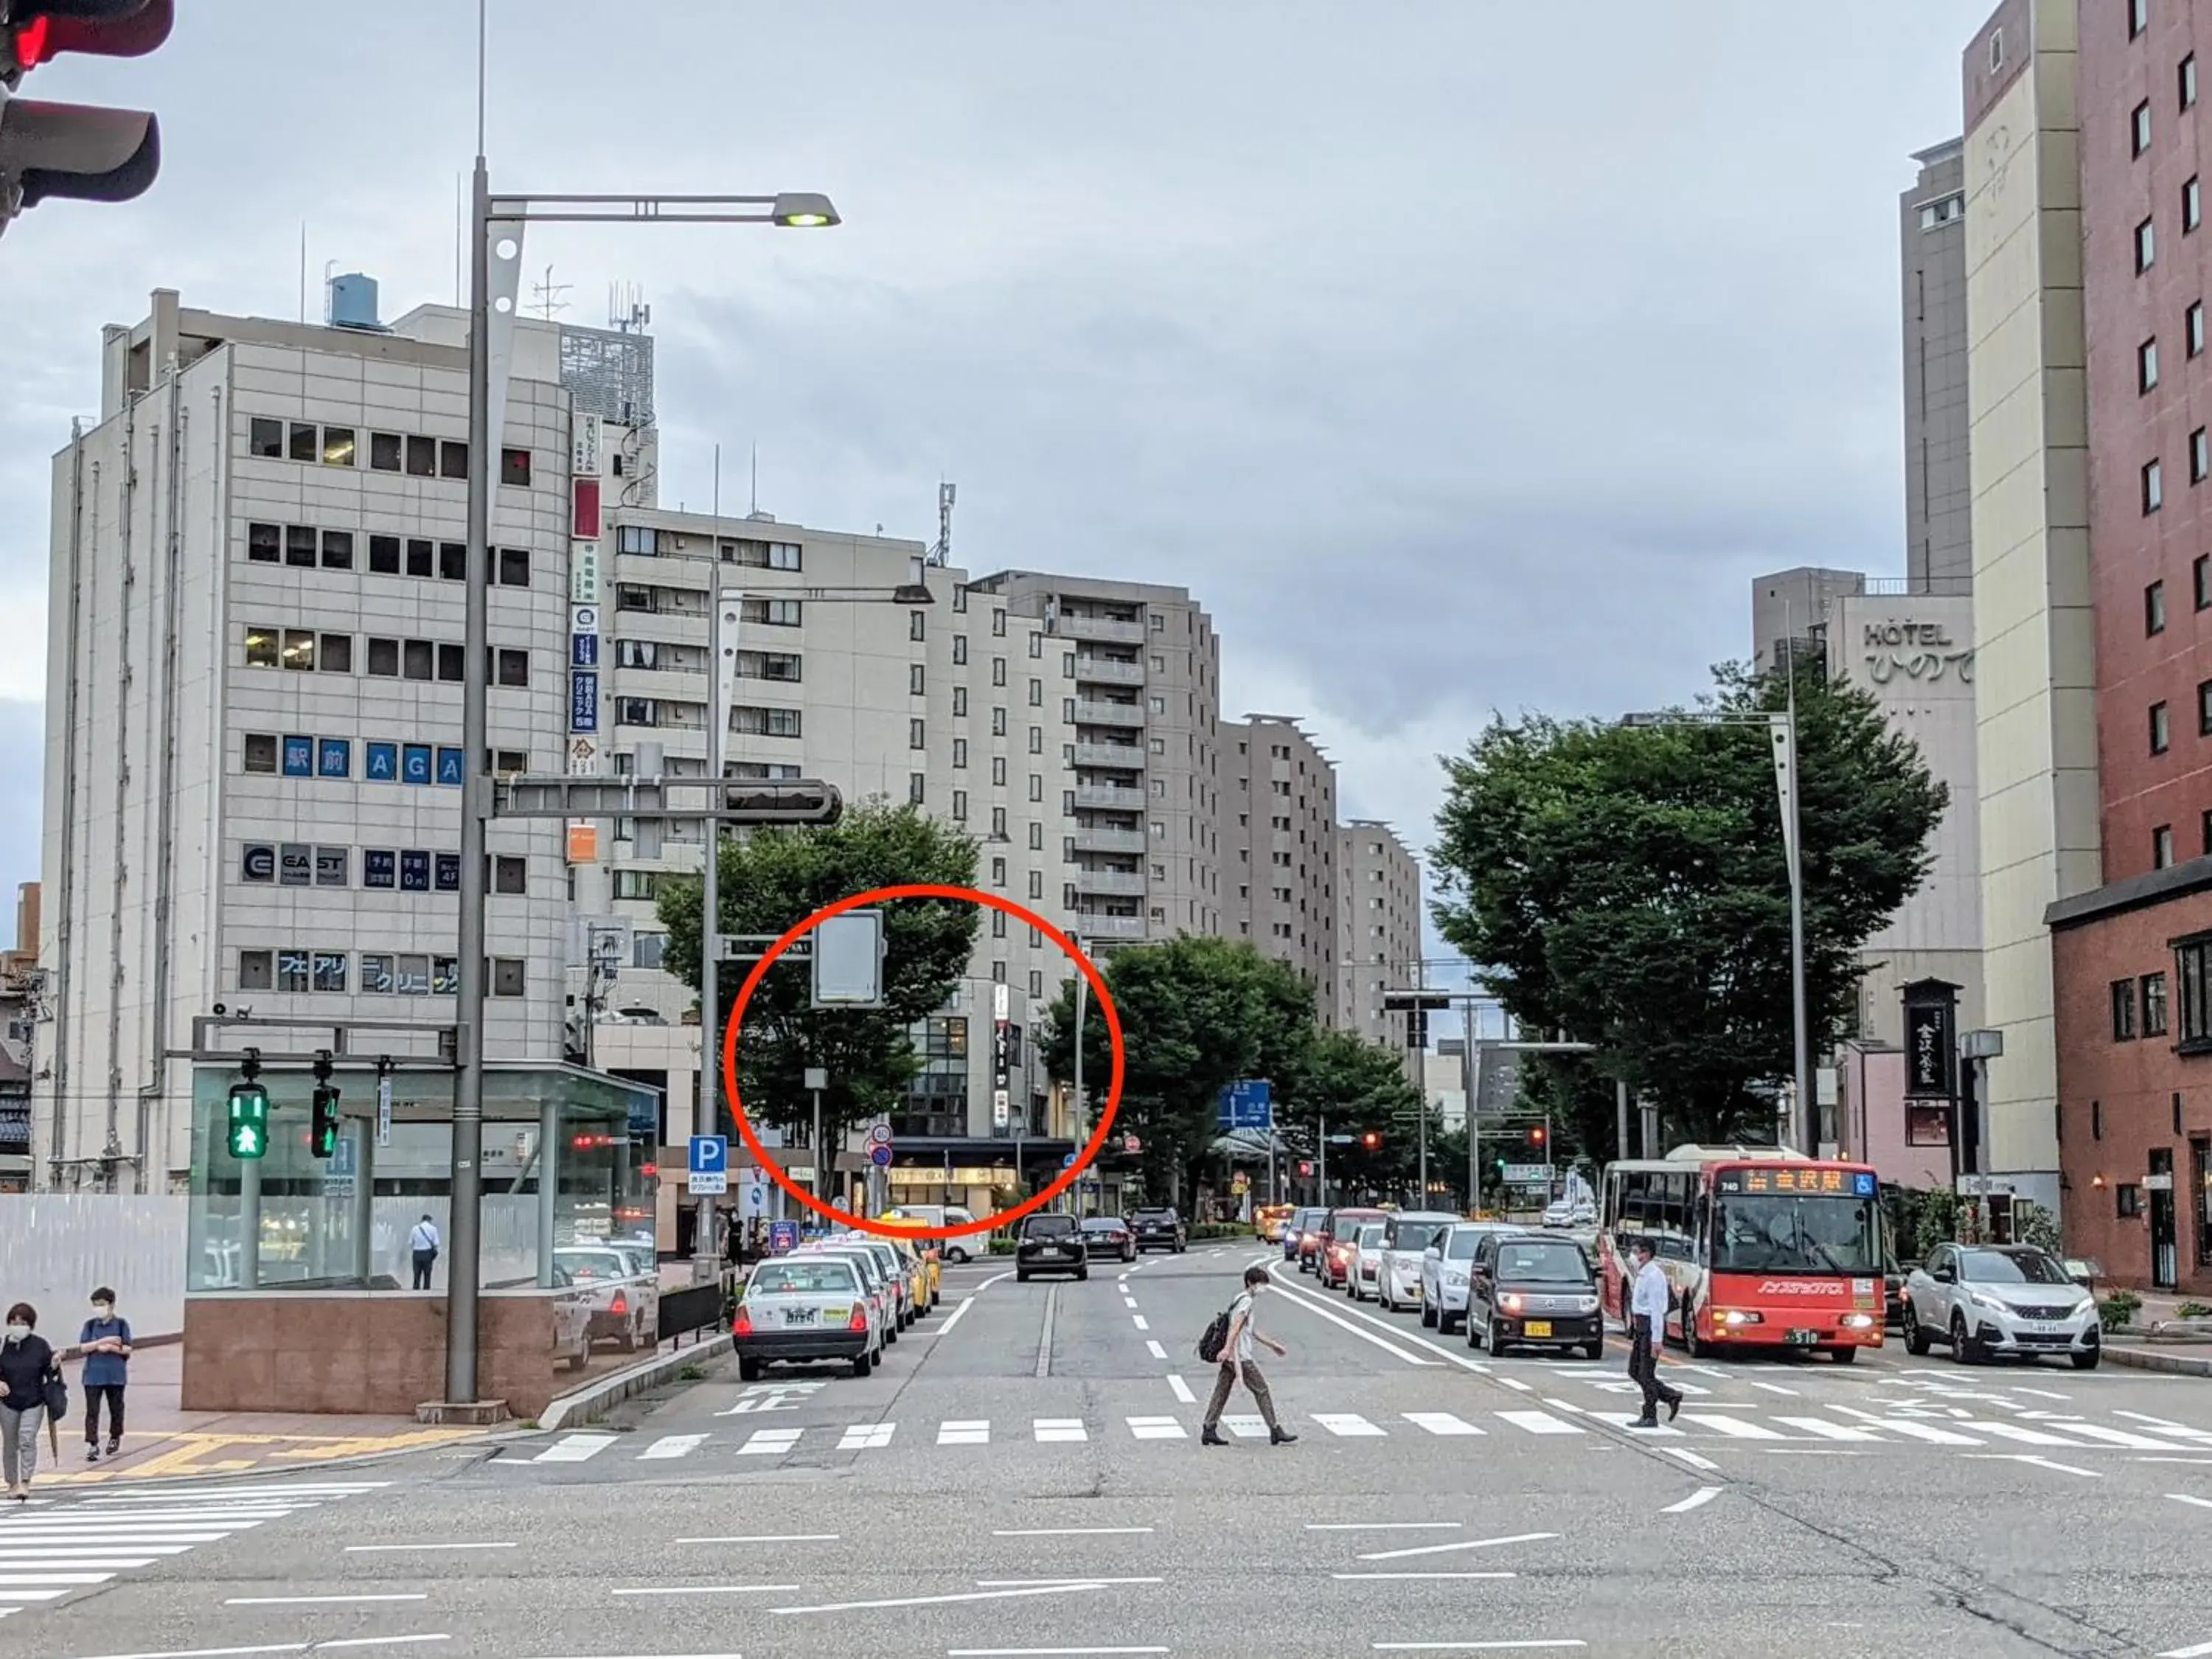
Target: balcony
[(1109, 840), (1109, 713), (1106, 671), (670, 685), (1091, 924), (668, 626), (1128, 757), (1121, 883), (1099, 628), (1106, 797)]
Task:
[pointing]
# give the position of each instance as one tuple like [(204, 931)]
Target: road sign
[(1528, 1175), (1239, 1183), (1132, 1146), (752, 1194), (880, 1156), (1067, 1162), (383, 1109), (1342, 1140), (1248, 1105), (710, 1166), (879, 1134), (783, 1238)]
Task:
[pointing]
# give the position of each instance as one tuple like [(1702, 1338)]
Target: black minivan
[(1537, 1290), (1050, 1244)]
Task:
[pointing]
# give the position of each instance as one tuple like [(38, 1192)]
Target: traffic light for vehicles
[(249, 1112), (1371, 1141), (323, 1142), (1536, 1136), (75, 151)]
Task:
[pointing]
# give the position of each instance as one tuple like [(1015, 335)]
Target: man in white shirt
[(422, 1244), (1647, 1328)]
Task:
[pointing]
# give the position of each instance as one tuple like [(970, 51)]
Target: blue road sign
[(1250, 1104), (880, 1156), (1067, 1162), (783, 1238), (709, 1167)]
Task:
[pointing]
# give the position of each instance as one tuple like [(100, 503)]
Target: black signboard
[(414, 871), (1931, 1050)]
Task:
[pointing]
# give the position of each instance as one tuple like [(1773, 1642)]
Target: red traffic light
[(99, 28), (1371, 1140), (1305, 1167), (1536, 1137)]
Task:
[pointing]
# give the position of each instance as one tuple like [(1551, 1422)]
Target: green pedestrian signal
[(323, 1142), (249, 1121)]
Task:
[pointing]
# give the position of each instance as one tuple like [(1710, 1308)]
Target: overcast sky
[(1458, 357)]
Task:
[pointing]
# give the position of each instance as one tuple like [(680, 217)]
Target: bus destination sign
[(1854, 1183)]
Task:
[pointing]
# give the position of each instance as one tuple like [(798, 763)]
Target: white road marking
[(1927, 1431), (2183, 1498), (2035, 1460), (1440, 1423), (1347, 1425), (1470, 1647), (1423, 1574), (1057, 1589), (1246, 1428), (574, 1447), (954, 1317), (1152, 1347), (1698, 1499), (1143, 1324), (1821, 1429), (1158, 1428), (1776, 1388), (1182, 1390), (1516, 1382), (1060, 1428), (1460, 1544), (1691, 1458), (972, 1433), (395, 1549), (1731, 1428), (770, 1443), (1311, 1301), (1018, 1653), (672, 1445), (2194, 1650), (1541, 1423), (2116, 1437), (296, 1647), (2014, 1431), (867, 1436)]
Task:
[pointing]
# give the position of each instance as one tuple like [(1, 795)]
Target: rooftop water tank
[(353, 302)]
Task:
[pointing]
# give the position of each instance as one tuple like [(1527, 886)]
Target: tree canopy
[(1625, 883), (770, 880)]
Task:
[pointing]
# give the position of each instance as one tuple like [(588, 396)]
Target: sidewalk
[(2187, 1355)]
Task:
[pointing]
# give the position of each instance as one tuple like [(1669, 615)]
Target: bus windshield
[(1797, 1233)]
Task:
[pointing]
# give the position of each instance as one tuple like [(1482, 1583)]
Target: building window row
[(2138, 1005), (409, 453), (306, 651), (405, 869), (307, 970), (305, 547)]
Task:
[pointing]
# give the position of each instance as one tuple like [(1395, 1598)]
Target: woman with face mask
[(26, 1365)]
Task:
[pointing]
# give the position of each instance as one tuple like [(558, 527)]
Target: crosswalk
[(51, 1550), (1554, 1419)]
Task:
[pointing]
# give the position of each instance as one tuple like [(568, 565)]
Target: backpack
[(1215, 1339)]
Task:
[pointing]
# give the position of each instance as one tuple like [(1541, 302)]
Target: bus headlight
[(1736, 1316)]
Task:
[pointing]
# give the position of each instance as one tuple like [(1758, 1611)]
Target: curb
[(590, 1402), (2144, 1360)]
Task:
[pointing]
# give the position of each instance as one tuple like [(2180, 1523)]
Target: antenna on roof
[(942, 552)]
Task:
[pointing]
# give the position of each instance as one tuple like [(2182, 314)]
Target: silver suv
[(1986, 1300)]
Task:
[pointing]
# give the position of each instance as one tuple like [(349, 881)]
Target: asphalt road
[(1022, 1476)]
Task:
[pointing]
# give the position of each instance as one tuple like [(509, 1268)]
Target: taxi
[(920, 1257), (1271, 1218)]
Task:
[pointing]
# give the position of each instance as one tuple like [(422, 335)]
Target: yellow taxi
[(920, 1257), (1271, 1218)]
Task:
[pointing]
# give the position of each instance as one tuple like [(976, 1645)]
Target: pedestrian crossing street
[(50, 1550), (1891, 1423)]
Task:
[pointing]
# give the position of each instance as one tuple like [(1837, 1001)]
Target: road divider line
[(1461, 1544), (1143, 1324), (1152, 1347), (1698, 1499), (1182, 1390), (2183, 1498), (1044, 1334), (1691, 1458), (1036, 1653), (1065, 1589), (2194, 1650)]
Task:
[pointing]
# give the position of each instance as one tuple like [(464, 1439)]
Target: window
[(417, 660), (960, 806), (299, 650), (384, 452), (772, 613), (998, 624), (294, 970), (998, 874), (1037, 693), (2138, 17), (300, 443), (2192, 206), (2154, 609), (917, 734), (998, 670), (509, 875), (1036, 786), (1933, 215), (261, 755), (509, 763), (2145, 366), (1037, 838), (2200, 456), (760, 722), (452, 458), (264, 543), (917, 787), (2154, 1005), (1036, 740), (2154, 488), (998, 824), (998, 722), (2124, 1009), (635, 883), (515, 468), (299, 546), (2161, 847), (422, 458), (960, 701), (384, 556), (916, 676), (2192, 322), (1996, 50), (1156, 705), (421, 557), (2187, 77), (2139, 127), (507, 974), (514, 567), (257, 969), (337, 549), (2200, 578), (265, 439), (510, 668), (2161, 736), (2127, 1200), (454, 561), (2192, 962), (916, 625), (2146, 247)]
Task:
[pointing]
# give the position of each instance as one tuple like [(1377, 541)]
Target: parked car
[(1405, 1236), (1445, 1268), (625, 1303), (898, 1272), (800, 1310), (1987, 1301), (1339, 1229), (1109, 1234), (882, 1293), (1296, 1233), (1269, 1220), (572, 1320), (1365, 1278), (1159, 1227), (924, 1217), (1051, 1244), (1535, 1290)]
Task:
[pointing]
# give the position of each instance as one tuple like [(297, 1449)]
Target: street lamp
[(496, 225)]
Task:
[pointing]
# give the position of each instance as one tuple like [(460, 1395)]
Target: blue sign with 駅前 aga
[(583, 699), (1250, 1104)]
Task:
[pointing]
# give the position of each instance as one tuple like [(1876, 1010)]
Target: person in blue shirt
[(106, 1340)]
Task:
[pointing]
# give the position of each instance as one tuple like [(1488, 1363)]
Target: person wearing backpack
[(105, 1343), (27, 1375), (1232, 1336)]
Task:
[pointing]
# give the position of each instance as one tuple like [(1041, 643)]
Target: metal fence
[(694, 1308), (56, 1247)]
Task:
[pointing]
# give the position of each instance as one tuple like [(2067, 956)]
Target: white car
[(1984, 1301), (1364, 1277), (1405, 1236), (1444, 1267)]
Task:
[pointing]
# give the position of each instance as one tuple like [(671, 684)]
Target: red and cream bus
[(1761, 1246)]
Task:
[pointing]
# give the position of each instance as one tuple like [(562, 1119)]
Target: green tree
[(1197, 1015), (772, 879), (1625, 883), (1352, 1086)]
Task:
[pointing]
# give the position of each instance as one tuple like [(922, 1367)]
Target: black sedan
[(1051, 1244), (1109, 1234), (1159, 1228)]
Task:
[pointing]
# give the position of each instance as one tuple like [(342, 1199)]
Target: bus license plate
[(1538, 1328), (1803, 1339)]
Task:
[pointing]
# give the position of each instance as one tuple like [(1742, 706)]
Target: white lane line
[(2026, 1437), (574, 1449), (2117, 1437), (1440, 1423), (1182, 1390), (395, 1549), (1312, 1303), (1157, 1428), (1382, 1525), (2194, 1650), (974, 1431), (954, 1317), (2166, 1426), (707, 1589), (1698, 1499), (2183, 1498), (1067, 1589), (81, 1561), (1066, 1531), (867, 1436), (1691, 1458), (768, 1538), (2035, 1461), (315, 1600), (770, 1443), (1927, 1431), (1059, 1428), (1152, 1347), (1776, 1388), (1246, 1428), (672, 1445), (1541, 1423), (1142, 1323), (1821, 1429), (392, 1642), (1514, 1382), (1346, 1424), (1460, 1544)]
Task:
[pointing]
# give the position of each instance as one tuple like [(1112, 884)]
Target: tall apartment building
[(1378, 942), (1142, 670), (1939, 548), (2036, 763), (253, 711), (1278, 848), (2131, 945)]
